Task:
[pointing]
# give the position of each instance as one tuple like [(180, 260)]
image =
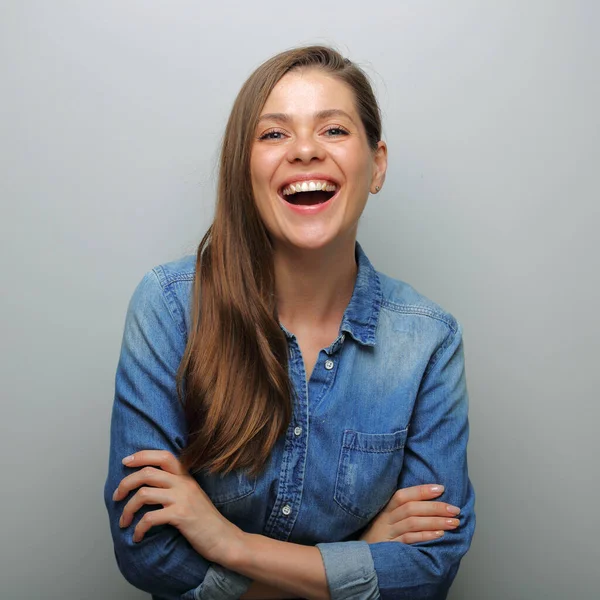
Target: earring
[(377, 188)]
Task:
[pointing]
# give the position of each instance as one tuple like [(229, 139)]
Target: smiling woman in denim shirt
[(288, 422)]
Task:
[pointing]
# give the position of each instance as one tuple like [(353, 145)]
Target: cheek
[(262, 167), (255, 172), (357, 165), (259, 181)]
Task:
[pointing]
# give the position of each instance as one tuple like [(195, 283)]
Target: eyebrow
[(320, 115)]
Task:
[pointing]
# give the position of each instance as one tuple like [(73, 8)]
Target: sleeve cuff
[(350, 570), (219, 584)]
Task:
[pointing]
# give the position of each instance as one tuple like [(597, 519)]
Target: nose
[(305, 148)]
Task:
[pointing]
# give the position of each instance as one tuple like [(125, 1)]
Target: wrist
[(236, 551)]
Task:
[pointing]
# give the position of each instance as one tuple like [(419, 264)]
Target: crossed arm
[(280, 569), (146, 414), (409, 517)]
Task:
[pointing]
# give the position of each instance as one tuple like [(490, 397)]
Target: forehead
[(307, 91)]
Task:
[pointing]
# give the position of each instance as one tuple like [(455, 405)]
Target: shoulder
[(181, 270), (404, 309), (164, 292)]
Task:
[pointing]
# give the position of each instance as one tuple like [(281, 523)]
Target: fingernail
[(453, 522), (115, 494), (127, 459), (453, 510), (439, 533), (121, 521), (434, 489)]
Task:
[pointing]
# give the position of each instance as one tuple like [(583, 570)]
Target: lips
[(310, 189), (313, 206)]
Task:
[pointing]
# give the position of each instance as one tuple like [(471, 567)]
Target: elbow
[(137, 568), (156, 565), (443, 562), (436, 575), (162, 563), (442, 571), (422, 571), (444, 556), (135, 564), (142, 563)]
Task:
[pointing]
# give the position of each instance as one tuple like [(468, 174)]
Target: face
[(310, 138)]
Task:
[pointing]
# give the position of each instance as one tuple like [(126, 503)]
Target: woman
[(322, 405)]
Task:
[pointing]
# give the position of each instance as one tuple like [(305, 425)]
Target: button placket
[(289, 492)]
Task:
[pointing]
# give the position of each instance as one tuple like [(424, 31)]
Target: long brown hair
[(233, 379)]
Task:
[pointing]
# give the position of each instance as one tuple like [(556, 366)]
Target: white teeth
[(309, 186)]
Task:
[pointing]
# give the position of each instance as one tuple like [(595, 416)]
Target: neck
[(314, 285)]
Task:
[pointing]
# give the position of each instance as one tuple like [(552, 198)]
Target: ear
[(379, 167)]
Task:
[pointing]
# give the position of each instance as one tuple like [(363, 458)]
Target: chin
[(310, 242)]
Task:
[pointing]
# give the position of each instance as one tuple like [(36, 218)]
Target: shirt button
[(286, 510), (297, 430), (329, 365)]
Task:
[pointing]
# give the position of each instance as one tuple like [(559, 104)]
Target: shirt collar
[(362, 313)]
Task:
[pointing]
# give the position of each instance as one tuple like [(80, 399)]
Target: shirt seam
[(423, 311), (168, 277), (175, 277), (438, 353), (168, 298)]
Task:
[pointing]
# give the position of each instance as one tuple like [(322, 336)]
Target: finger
[(148, 475), (145, 495), (414, 524), (424, 509), (416, 492), (419, 536), (164, 459), (149, 520)]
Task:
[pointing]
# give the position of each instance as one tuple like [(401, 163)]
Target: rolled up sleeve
[(349, 570), (147, 414), (435, 452)]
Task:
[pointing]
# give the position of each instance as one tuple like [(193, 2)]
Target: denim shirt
[(385, 408)]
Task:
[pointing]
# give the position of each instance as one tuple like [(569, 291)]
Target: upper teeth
[(309, 186)]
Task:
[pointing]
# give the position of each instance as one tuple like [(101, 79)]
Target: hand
[(186, 505), (411, 517)]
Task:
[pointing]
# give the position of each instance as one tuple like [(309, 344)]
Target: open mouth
[(308, 193)]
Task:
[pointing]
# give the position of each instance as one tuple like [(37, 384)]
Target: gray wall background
[(111, 115)]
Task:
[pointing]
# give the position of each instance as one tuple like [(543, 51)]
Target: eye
[(272, 134), (335, 131)]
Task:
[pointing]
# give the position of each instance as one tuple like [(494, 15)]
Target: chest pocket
[(368, 471), (224, 489)]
